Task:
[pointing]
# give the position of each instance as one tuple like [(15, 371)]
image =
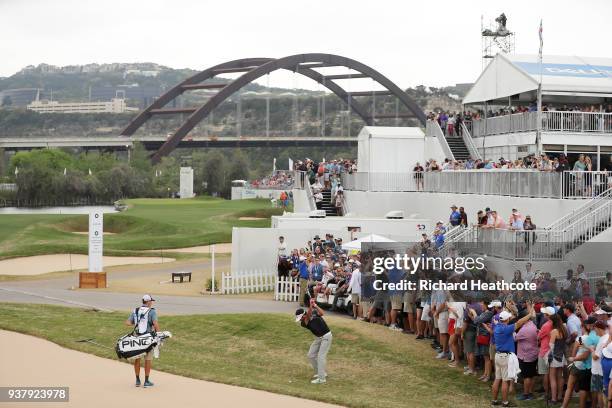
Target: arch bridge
[(254, 68)]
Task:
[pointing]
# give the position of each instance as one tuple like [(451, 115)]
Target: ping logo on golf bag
[(136, 342)]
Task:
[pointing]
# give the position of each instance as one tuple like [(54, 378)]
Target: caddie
[(144, 320)]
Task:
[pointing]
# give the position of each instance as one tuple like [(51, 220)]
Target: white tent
[(387, 149), (356, 244), (518, 76)]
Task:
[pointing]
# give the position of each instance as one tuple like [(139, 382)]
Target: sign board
[(96, 231), (186, 182)]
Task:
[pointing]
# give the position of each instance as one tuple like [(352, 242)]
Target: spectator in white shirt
[(355, 287)]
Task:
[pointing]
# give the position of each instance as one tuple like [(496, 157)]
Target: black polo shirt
[(316, 325)]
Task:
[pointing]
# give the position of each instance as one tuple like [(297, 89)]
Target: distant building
[(144, 95), (18, 97), (115, 105)]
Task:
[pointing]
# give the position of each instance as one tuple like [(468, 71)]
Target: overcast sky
[(411, 42)]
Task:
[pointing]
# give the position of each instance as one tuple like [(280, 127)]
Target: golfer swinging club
[(317, 354), (144, 318)]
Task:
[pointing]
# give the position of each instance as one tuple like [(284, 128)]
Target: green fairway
[(147, 224), (369, 366)]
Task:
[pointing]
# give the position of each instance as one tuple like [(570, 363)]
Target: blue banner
[(566, 70)]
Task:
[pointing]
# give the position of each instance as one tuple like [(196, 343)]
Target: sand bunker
[(97, 382), (36, 265), (203, 249)]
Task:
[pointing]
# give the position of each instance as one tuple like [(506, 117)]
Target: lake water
[(57, 210)]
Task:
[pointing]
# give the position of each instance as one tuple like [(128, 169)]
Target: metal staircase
[(327, 205)]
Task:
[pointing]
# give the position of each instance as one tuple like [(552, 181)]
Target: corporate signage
[(566, 70), (96, 228)]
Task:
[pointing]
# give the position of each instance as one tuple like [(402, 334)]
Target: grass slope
[(369, 366), (147, 224)]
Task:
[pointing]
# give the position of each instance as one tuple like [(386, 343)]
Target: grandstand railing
[(469, 142), (432, 129), (514, 183), (552, 121)]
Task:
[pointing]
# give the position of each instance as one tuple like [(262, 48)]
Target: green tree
[(214, 173)]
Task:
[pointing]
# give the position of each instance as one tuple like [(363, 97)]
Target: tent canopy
[(356, 244), (518, 75)]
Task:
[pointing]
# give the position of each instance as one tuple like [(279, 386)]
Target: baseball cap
[(548, 310), (147, 298), (590, 320), (505, 315), (453, 206), (601, 325), (495, 303), (299, 314), (600, 312)]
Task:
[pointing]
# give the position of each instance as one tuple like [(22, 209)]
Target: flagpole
[(539, 96)]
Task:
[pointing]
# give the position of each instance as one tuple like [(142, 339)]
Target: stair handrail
[(469, 143), (585, 208), (587, 226), (461, 236), (433, 129)]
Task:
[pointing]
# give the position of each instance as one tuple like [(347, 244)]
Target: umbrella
[(356, 244)]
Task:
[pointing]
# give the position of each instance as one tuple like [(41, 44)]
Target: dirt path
[(97, 382)]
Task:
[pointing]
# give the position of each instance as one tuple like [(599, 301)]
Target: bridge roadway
[(155, 142)]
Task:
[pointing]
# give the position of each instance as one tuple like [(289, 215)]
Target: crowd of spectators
[(326, 176), (279, 179), (531, 162), (554, 341)]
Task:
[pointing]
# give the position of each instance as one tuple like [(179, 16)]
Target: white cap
[(147, 298), (495, 303), (351, 260), (336, 265), (548, 310), (503, 316), (600, 312)]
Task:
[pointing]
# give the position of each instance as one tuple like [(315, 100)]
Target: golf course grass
[(369, 366), (147, 224)]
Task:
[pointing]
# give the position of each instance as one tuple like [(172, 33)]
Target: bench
[(181, 276)]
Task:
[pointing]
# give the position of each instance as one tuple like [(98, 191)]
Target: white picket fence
[(250, 281), (287, 289)]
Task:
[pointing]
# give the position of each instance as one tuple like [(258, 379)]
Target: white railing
[(585, 184), (287, 289), (469, 143), (518, 122), (432, 129), (248, 281), (513, 182), (589, 206), (577, 121), (552, 121)]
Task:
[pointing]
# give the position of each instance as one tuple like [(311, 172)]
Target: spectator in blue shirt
[(504, 345), (317, 270), (303, 274), (455, 216)]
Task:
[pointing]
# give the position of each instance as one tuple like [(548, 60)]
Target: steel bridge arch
[(255, 68)]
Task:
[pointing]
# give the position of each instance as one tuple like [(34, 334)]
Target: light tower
[(495, 38)]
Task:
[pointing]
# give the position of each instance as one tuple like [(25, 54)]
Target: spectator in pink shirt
[(527, 353), (544, 339)]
